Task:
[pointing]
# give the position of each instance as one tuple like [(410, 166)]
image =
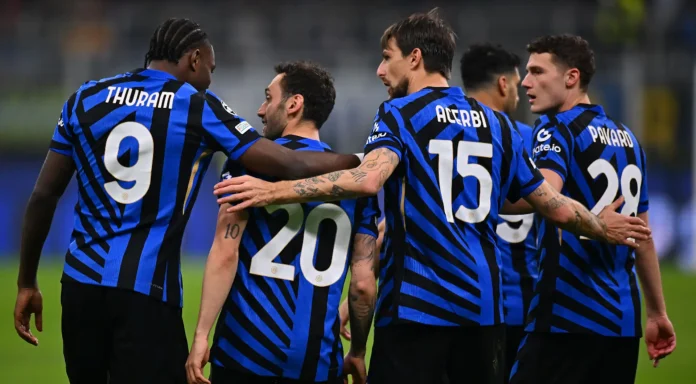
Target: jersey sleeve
[(525, 174), (386, 131), (552, 148), (62, 141), (225, 130), (230, 170), (366, 216), (643, 203)]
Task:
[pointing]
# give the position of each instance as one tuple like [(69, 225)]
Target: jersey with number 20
[(281, 316), (459, 160), (587, 286)]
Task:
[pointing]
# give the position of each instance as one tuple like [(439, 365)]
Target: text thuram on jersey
[(461, 117), (131, 97)]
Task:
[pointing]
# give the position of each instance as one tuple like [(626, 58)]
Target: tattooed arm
[(572, 216), (365, 180), (220, 270), (362, 292)]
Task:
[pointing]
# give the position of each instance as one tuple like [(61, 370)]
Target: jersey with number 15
[(141, 142), (281, 316), (587, 286)]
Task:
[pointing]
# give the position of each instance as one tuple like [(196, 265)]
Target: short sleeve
[(62, 141), (230, 170), (552, 147), (227, 131), (367, 213), (525, 174), (386, 131), (643, 203)]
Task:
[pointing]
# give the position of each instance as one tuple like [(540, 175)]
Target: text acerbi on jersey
[(460, 116)]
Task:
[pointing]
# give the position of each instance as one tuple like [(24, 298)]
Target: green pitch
[(21, 363)]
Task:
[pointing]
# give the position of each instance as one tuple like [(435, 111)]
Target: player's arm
[(523, 206), (660, 337), (220, 270)]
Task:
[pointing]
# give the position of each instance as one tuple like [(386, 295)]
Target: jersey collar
[(156, 74)]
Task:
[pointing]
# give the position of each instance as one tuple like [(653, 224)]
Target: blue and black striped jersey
[(459, 160), (281, 316), (587, 286), (141, 142), (518, 253)]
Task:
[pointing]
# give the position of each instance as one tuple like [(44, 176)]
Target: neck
[(435, 79), (165, 66), (485, 97), (306, 129), (573, 99)]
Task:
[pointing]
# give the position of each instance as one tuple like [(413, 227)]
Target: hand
[(622, 229), (659, 338), (354, 366), (197, 359), (246, 191), (343, 315), (29, 300)]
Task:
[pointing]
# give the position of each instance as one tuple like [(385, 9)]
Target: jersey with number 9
[(281, 317), (459, 160), (589, 286)]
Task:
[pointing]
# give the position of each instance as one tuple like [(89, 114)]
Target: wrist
[(357, 352), (27, 284), (201, 335), (656, 313)]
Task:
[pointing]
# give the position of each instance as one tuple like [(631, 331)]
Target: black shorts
[(513, 336), (555, 358), (418, 353), (220, 375), (119, 336)]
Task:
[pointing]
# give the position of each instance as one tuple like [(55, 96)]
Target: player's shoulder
[(299, 143)]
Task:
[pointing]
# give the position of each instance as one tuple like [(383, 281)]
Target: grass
[(22, 363)]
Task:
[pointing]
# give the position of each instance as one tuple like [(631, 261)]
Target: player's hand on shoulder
[(621, 229), (355, 367), (660, 338), (244, 192), (29, 301), (197, 359)]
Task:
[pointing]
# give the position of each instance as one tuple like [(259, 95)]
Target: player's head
[(183, 49), (301, 92), (420, 45), (490, 69), (559, 70)]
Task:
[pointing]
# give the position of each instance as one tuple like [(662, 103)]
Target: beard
[(400, 90)]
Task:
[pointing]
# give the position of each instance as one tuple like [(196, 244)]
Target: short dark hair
[(173, 38), (429, 33), (481, 64), (314, 83), (569, 50)]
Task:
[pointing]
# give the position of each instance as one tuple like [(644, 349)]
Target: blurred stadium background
[(646, 77)]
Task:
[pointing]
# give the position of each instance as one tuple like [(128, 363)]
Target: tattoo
[(232, 231), (361, 302), (337, 191), (333, 176), (539, 192), (555, 203), (358, 175)]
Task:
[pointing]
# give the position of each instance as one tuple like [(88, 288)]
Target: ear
[(572, 77), (194, 59), (415, 57), (502, 85), (294, 104)]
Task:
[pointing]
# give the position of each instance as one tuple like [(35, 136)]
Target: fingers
[(23, 330), (237, 197), (240, 206), (194, 374), (233, 181), (616, 204), (630, 242), (345, 333), (38, 321)]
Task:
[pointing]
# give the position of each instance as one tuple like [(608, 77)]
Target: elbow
[(371, 185), (364, 288), (43, 197)]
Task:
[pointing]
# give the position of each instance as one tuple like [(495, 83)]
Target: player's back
[(457, 160), (588, 286), (139, 147), (281, 317), (517, 237)]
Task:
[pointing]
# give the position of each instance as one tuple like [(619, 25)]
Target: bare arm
[(648, 268), (522, 206), (220, 268), (365, 180), (268, 158), (54, 177), (362, 292)]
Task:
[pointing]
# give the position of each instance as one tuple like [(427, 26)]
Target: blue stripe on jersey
[(586, 286), (441, 263), (140, 142), (517, 244), (290, 328)]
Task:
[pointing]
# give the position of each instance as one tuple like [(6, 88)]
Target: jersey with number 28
[(459, 160), (588, 286), (281, 316), (141, 142)]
